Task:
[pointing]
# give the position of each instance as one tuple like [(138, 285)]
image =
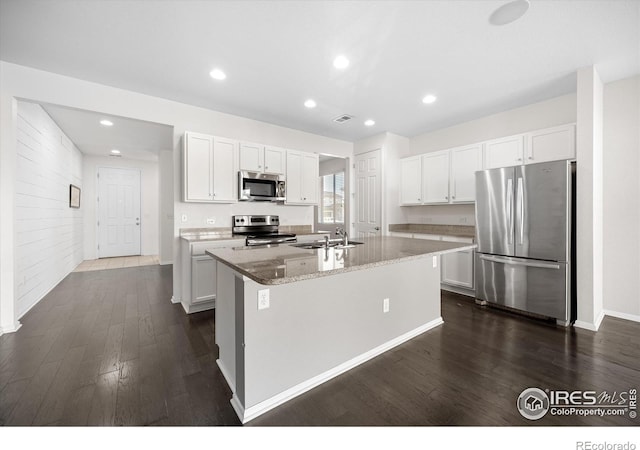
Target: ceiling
[(277, 54), (135, 139)]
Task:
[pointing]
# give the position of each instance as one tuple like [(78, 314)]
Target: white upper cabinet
[(551, 144), (275, 160), (209, 168), (435, 177), (411, 181), (251, 157), (302, 178), (262, 158), (465, 161), (504, 152), (198, 167), (225, 170)]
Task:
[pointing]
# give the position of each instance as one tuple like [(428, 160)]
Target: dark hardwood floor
[(108, 348)]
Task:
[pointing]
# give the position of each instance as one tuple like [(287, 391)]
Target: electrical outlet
[(184, 217), (211, 221), (385, 305), (435, 262), (263, 298)]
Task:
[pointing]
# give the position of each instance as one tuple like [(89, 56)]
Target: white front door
[(368, 194), (118, 212)]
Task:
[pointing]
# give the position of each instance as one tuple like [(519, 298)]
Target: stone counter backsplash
[(446, 230)]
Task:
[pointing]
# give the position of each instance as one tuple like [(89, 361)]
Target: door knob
[(376, 228)]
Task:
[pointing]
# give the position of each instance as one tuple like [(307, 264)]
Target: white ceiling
[(135, 139), (279, 53)]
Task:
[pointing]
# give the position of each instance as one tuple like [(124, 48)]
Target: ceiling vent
[(115, 156), (343, 118)]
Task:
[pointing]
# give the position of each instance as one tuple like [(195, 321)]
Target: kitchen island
[(288, 318)]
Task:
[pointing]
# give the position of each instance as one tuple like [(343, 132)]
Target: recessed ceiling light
[(369, 122), (115, 152), (429, 99), (310, 103), (341, 62), (509, 12), (217, 74), (106, 123)]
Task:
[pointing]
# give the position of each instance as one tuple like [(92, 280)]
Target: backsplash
[(441, 214)]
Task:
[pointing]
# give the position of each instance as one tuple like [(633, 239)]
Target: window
[(332, 202)]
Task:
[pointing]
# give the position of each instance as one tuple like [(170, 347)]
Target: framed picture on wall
[(74, 196)]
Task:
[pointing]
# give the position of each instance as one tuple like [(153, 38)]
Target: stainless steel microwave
[(256, 186)]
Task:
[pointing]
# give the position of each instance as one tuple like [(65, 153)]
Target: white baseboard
[(11, 328), (225, 374), (458, 290), (621, 315), (175, 300), (588, 325), (247, 414), (165, 263), (198, 307)]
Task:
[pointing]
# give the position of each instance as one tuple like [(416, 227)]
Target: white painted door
[(118, 207), (411, 181), (504, 152), (551, 144), (368, 194), (465, 161), (274, 160), (225, 172), (198, 166), (435, 177), (251, 157), (310, 175)]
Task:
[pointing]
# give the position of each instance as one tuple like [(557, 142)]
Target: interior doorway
[(118, 207)]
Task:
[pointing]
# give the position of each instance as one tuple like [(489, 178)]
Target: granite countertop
[(280, 264), (444, 230)]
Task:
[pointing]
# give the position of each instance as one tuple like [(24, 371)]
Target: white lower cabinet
[(199, 274), (456, 269), (203, 278)]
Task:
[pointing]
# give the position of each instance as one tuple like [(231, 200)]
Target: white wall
[(165, 210), (621, 198), (589, 203), (549, 113), (23, 82), (48, 233), (149, 201)]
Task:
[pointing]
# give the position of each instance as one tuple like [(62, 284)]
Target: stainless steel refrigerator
[(526, 239)]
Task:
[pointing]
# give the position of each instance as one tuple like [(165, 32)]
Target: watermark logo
[(533, 403)]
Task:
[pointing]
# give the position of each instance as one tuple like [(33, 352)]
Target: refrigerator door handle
[(510, 210), (521, 210), (516, 262)]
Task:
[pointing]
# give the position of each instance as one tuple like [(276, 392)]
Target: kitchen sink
[(335, 243)]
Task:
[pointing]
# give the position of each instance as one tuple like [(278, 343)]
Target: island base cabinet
[(316, 329)]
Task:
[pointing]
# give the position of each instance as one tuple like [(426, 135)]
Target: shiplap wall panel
[(49, 241)]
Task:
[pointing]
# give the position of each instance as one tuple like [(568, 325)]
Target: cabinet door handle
[(453, 197), (266, 167), (259, 166), (419, 199), (518, 159), (446, 197), (530, 157)]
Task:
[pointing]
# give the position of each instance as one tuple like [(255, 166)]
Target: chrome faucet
[(326, 241), (341, 232)]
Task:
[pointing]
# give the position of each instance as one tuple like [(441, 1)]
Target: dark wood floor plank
[(130, 340), (9, 397), (111, 359), (29, 403), (78, 406), (53, 404), (128, 396), (103, 403)]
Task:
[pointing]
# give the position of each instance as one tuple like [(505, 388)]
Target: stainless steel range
[(261, 230)]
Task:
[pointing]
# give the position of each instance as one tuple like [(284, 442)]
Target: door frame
[(97, 212)]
